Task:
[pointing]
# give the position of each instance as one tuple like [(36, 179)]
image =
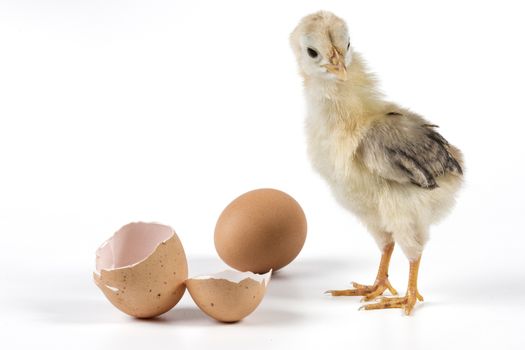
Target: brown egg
[(260, 230), (228, 296), (142, 269)]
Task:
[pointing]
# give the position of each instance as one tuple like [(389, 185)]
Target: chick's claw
[(406, 303), (366, 291)]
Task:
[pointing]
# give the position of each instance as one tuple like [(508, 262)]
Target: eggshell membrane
[(228, 296), (260, 230), (142, 269)]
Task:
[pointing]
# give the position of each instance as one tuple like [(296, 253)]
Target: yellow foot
[(406, 303), (368, 292)]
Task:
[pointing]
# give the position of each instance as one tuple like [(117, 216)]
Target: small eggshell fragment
[(142, 269), (261, 230), (228, 296)]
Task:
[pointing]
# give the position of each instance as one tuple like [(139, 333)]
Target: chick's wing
[(403, 147)]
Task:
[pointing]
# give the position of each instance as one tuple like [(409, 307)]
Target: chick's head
[(322, 46)]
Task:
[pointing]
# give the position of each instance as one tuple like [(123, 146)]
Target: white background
[(117, 111)]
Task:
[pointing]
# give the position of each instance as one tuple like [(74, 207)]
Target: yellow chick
[(387, 165)]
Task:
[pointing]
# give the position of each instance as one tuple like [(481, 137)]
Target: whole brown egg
[(260, 230)]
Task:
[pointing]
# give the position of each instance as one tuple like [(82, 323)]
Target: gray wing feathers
[(404, 148)]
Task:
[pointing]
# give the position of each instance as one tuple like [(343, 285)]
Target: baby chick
[(387, 165)]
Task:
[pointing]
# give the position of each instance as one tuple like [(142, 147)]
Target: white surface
[(118, 111)]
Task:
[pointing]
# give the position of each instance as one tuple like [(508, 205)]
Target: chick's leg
[(370, 292), (408, 301)]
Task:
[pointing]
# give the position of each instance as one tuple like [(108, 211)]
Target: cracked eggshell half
[(142, 269), (228, 296)]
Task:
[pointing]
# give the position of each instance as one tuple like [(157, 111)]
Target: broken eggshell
[(141, 269), (228, 296)]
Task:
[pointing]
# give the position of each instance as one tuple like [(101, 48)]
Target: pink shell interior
[(131, 244)]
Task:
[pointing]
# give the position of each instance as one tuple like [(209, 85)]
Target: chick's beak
[(337, 65)]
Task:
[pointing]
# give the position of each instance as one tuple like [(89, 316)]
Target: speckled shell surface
[(151, 286), (224, 300)]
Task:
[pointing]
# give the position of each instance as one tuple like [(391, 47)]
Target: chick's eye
[(348, 46), (312, 53)]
